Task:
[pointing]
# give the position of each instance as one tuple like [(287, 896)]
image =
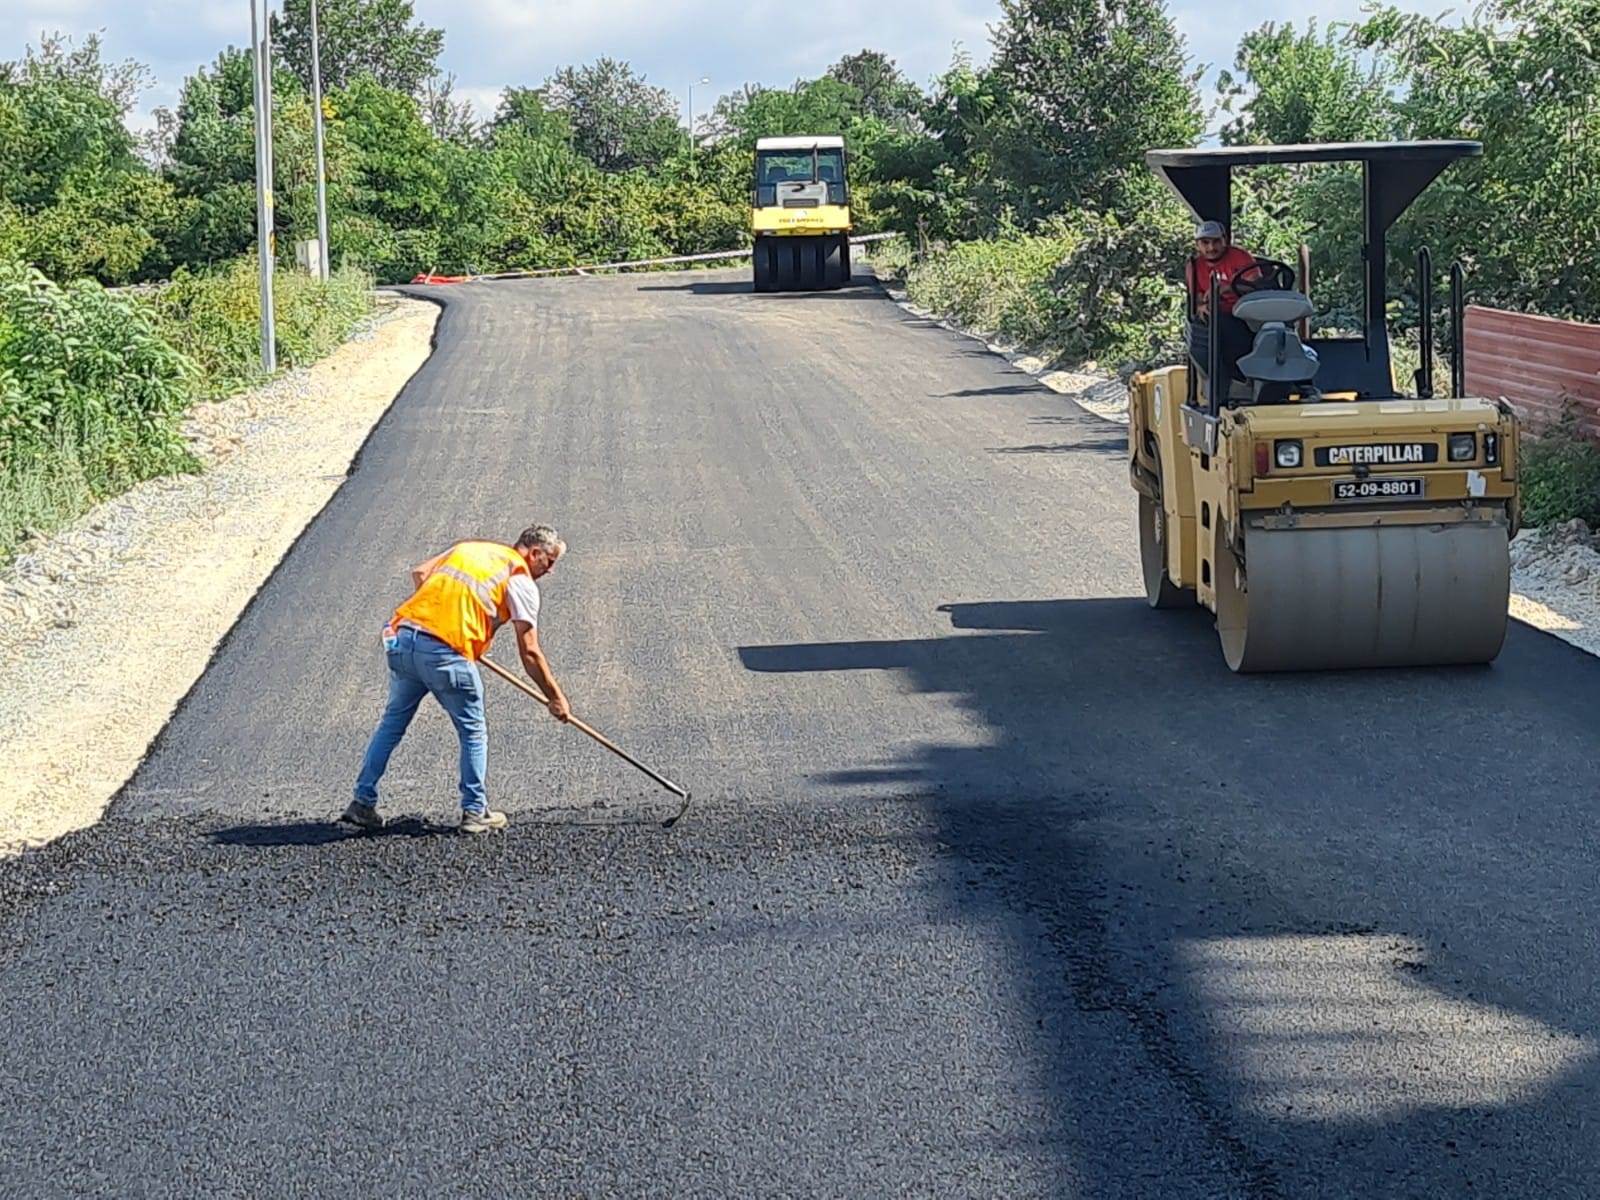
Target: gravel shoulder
[(106, 626), (1555, 573)]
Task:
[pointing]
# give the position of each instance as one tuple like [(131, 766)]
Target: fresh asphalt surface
[(998, 883)]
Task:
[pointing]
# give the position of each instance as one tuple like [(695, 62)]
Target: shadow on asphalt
[(1090, 445), (1158, 816), (1019, 389), (863, 289), (321, 833)]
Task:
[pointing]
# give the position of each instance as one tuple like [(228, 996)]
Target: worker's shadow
[(321, 833)]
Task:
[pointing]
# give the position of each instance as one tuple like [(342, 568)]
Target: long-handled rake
[(602, 739)]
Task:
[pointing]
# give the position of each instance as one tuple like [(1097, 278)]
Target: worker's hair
[(542, 537)]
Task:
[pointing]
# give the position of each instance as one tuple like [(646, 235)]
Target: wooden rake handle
[(523, 685)]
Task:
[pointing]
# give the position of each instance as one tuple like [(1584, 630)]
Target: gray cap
[(1210, 229)]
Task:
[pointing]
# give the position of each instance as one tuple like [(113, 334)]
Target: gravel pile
[(1555, 572)]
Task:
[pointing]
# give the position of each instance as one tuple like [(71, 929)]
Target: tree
[(1085, 87), (75, 198), (881, 90), (825, 105), (380, 38), (61, 117), (619, 121), (449, 118), (213, 159), (528, 110), (1522, 77), (1293, 88)]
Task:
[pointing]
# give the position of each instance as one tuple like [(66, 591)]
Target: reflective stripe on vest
[(463, 601)]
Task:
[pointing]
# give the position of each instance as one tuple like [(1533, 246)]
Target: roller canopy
[(1393, 175), (1397, 172)]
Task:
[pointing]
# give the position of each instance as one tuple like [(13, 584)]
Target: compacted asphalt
[(997, 883)]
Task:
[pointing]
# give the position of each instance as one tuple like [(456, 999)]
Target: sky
[(492, 43)]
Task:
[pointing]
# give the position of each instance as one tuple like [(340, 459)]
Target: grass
[(94, 385), (1001, 287), (214, 318), (1561, 476)]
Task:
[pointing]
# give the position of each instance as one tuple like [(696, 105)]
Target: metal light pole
[(322, 167), (261, 45), (693, 173)]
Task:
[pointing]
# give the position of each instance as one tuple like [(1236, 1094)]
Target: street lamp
[(261, 57), (693, 175)]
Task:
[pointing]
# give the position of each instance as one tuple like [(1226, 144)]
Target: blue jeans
[(420, 663)]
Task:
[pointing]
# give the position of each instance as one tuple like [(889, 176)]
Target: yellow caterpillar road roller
[(800, 214), (1283, 480)]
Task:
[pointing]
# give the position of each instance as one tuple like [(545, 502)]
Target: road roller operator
[(1215, 256)]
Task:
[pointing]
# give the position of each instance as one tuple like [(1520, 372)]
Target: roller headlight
[(1287, 454), (1463, 447)]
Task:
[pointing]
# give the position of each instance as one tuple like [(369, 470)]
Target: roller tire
[(1233, 605), (833, 268), (813, 266), (761, 258), (844, 260), (1159, 590)]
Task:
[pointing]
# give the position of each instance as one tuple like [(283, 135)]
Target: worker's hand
[(560, 710)]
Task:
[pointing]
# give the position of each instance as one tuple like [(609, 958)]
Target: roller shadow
[(1021, 389), (1150, 812), (1088, 445)]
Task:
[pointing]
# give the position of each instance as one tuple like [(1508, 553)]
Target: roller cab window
[(820, 165)]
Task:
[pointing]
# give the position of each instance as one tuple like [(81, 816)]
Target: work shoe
[(482, 822), (362, 816)]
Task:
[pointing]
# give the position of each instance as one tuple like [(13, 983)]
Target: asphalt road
[(998, 882)]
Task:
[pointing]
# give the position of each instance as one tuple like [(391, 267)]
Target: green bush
[(214, 317), (1087, 287), (1118, 295), (90, 400), (1561, 476), (999, 286), (893, 258), (94, 384), (314, 318)]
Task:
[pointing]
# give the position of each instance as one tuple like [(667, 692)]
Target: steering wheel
[(1265, 274)]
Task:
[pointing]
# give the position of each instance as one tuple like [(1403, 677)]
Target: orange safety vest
[(463, 601)]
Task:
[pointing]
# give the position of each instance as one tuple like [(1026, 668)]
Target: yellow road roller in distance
[(800, 214), (1327, 520)]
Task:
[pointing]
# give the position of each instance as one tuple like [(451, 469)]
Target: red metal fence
[(1541, 365)]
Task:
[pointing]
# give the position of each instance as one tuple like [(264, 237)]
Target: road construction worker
[(1216, 256), (433, 643)]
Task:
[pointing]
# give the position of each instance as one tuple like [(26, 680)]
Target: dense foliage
[(1561, 477), (1020, 185), (594, 163), (1521, 76)]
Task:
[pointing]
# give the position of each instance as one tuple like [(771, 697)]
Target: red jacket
[(1233, 261)]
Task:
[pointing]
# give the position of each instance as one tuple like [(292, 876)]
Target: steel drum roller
[(1402, 595)]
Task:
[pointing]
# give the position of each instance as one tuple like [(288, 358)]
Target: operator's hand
[(560, 710)]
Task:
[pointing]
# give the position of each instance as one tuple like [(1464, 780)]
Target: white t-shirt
[(522, 598)]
